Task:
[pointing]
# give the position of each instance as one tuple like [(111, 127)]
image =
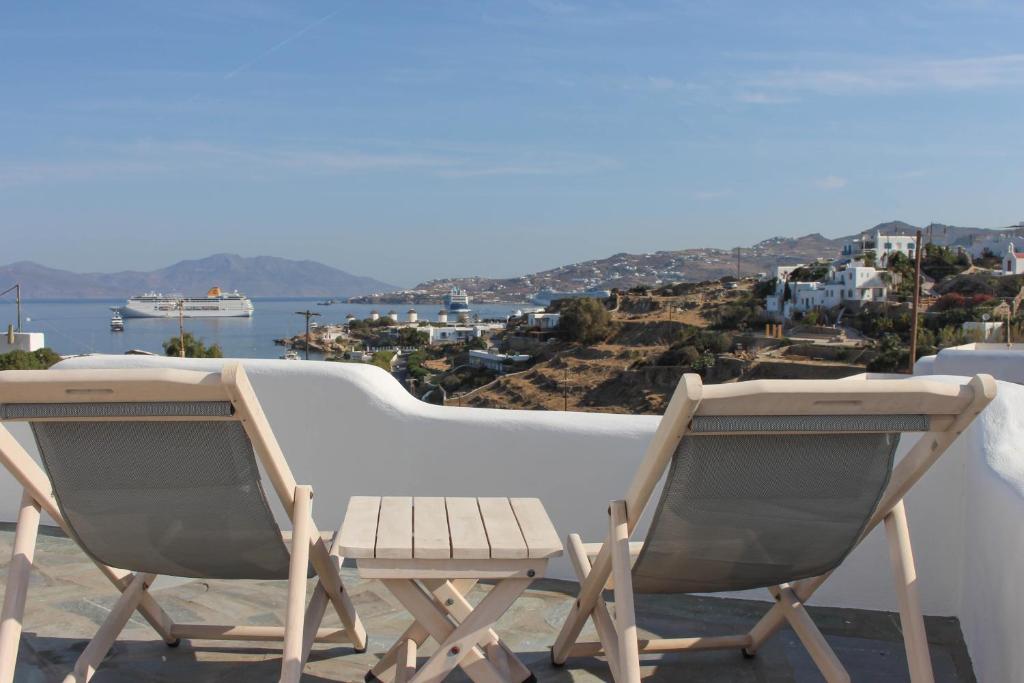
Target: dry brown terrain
[(621, 375)]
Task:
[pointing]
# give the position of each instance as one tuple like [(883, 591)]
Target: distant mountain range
[(253, 276), (273, 276)]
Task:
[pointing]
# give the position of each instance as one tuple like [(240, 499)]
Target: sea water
[(83, 326)]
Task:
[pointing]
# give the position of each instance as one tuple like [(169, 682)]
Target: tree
[(584, 320), (382, 359), (715, 342), (194, 348), (408, 336), (40, 359), (939, 262), (892, 355), (414, 364)]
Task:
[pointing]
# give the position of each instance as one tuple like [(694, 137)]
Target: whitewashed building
[(1013, 260), (21, 341), (545, 321), (851, 287), (493, 360), (983, 331), (451, 334), (882, 246)]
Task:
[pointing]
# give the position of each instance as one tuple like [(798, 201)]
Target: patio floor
[(69, 598)]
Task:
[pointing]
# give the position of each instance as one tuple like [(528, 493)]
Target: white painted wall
[(351, 430), (996, 359), (23, 341)]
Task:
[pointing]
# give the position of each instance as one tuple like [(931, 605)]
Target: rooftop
[(69, 598), (353, 430)]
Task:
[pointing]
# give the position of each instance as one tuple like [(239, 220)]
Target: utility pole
[(309, 314), (739, 259), (917, 302), (181, 328), (17, 300), (565, 389)]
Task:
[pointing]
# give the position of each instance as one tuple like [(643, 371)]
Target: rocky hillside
[(255, 276), (624, 271)]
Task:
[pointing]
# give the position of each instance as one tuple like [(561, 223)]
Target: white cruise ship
[(456, 301), (215, 304)]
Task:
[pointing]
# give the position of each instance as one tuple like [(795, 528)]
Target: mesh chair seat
[(181, 497), (755, 501)]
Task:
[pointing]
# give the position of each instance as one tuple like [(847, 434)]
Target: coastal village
[(619, 338), (623, 349)]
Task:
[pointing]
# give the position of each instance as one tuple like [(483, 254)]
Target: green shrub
[(40, 359), (585, 321), (194, 348)]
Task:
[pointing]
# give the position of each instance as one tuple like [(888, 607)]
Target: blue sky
[(425, 139)]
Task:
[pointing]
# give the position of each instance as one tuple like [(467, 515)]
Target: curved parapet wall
[(999, 360), (351, 429)]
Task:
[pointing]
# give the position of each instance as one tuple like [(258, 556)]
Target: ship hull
[(198, 310)]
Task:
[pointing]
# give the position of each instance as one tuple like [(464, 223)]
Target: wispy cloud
[(661, 83), (761, 98), (708, 195), (914, 173), (149, 157), (831, 182), (872, 76), (277, 46), (15, 173)]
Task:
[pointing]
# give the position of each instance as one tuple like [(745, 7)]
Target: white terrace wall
[(349, 430)]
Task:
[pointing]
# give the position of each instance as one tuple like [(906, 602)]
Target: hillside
[(623, 271), (253, 276)]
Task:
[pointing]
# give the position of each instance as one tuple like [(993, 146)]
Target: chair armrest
[(592, 549)]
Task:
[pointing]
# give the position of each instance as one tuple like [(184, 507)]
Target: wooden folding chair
[(157, 472), (770, 484)]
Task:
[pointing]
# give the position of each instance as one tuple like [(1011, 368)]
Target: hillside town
[(619, 349)]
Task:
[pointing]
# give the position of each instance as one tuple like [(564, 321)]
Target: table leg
[(459, 642), (384, 670), (497, 651), (424, 608)]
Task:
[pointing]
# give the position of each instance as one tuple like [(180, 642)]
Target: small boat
[(291, 354), (116, 322)]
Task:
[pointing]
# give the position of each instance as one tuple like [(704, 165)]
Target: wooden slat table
[(430, 552)]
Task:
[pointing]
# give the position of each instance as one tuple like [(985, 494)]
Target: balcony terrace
[(352, 430), (69, 599)]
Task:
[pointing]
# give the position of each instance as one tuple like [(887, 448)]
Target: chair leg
[(625, 614), (18, 573), (302, 521), (905, 573), (602, 619), (806, 630), (581, 610), (330, 578), (115, 622)]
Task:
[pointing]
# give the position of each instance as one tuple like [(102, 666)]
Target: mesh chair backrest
[(766, 499), (179, 497)]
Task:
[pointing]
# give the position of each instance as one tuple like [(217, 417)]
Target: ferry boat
[(456, 301), (116, 321), (216, 304), (545, 296)]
